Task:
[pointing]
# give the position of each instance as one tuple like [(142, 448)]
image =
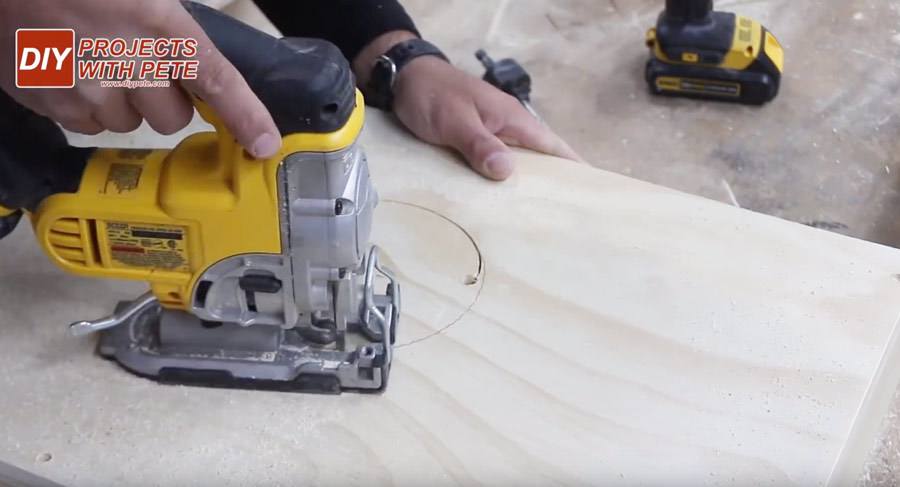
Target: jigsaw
[(261, 273)]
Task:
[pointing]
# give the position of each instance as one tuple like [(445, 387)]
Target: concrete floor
[(822, 154)]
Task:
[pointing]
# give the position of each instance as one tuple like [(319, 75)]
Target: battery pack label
[(161, 247), (699, 86)]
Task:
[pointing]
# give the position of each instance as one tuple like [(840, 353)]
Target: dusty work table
[(616, 332)]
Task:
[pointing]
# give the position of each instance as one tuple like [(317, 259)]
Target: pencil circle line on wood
[(473, 279)]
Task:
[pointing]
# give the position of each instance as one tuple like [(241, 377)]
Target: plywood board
[(616, 333)]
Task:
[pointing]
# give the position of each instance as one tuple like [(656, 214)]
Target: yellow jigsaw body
[(262, 273), (165, 216)]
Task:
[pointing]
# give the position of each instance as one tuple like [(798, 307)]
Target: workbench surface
[(617, 333)]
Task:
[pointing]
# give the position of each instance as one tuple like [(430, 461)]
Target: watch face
[(381, 83)]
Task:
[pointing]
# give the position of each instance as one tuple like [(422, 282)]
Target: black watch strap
[(380, 90)]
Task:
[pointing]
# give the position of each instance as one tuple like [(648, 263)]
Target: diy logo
[(45, 58)]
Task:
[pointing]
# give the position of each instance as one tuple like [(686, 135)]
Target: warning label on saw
[(151, 246)]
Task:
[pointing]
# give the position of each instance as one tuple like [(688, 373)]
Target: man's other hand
[(446, 106)]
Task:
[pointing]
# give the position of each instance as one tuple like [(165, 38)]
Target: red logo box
[(45, 58)]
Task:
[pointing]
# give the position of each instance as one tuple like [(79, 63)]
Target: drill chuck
[(684, 11)]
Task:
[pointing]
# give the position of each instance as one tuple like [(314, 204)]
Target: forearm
[(354, 26)]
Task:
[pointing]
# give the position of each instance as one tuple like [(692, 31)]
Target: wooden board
[(618, 333)]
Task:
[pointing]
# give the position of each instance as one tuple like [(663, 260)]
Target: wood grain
[(618, 333)]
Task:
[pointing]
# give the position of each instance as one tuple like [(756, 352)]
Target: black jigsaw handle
[(306, 84)]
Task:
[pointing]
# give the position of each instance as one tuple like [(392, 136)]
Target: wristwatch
[(380, 90)]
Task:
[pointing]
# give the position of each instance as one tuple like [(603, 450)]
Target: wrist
[(365, 60), (386, 69), (420, 67)]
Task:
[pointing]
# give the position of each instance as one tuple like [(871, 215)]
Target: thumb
[(484, 152)]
